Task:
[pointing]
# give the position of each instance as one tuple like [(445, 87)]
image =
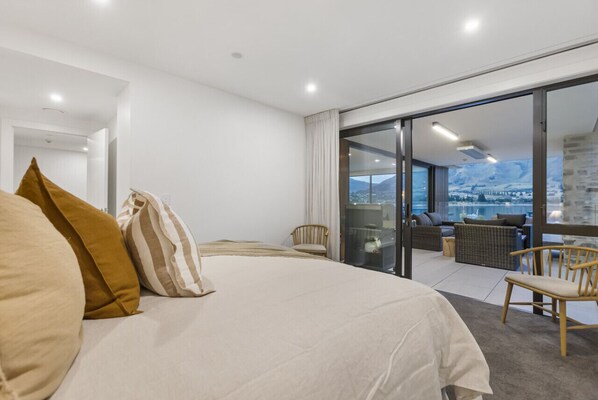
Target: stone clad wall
[(580, 185)]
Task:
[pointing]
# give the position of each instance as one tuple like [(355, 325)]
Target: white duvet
[(282, 328)]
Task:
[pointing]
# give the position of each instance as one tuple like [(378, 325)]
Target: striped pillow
[(161, 247)]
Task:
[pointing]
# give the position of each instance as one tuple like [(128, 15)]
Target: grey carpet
[(524, 354)]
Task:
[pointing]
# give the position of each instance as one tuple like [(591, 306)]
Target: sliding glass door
[(532, 153), (569, 132), (370, 192)]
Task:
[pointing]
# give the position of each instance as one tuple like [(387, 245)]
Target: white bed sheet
[(282, 328)]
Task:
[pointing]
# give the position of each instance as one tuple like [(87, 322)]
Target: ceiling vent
[(54, 110), (472, 151)]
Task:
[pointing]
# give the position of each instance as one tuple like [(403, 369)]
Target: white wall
[(67, 169), (233, 168), (112, 158), (15, 117)]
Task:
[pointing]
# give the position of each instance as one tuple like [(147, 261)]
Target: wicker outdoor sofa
[(489, 246), (429, 230)]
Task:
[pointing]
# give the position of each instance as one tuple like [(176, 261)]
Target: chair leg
[(563, 326), (505, 308), (553, 310)]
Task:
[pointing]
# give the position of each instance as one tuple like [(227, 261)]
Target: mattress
[(282, 328)]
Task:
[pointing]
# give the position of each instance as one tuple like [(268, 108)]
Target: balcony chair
[(312, 239), (563, 273)]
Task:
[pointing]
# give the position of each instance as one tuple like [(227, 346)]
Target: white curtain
[(322, 201)]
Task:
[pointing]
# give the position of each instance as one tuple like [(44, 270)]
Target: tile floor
[(486, 284)]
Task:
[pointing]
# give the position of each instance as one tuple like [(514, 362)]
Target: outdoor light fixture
[(445, 131)]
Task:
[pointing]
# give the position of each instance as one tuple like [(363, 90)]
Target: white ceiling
[(503, 129), (26, 83), (49, 139), (355, 51)]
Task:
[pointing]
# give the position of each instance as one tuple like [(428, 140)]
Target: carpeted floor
[(524, 354)]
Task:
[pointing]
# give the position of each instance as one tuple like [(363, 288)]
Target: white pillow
[(162, 247)]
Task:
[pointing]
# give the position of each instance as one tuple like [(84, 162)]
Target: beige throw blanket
[(250, 249)]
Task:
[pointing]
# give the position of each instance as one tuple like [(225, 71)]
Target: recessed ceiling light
[(376, 160), (85, 148), (471, 25), (491, 159), (236, 55), (349, 154), (394, 164), (56, 98), (311, 88), (445, 131)]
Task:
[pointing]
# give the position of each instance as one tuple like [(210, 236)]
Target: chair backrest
[(571, 263), (310, 234)]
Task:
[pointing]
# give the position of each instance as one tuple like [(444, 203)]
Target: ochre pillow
[(162, 247), (111, 284), (41, 302)]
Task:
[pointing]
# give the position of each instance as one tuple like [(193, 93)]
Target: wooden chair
[(312, 239), (563, 273)]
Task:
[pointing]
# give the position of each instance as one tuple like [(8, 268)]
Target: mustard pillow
[(41, 302), (109, 277)]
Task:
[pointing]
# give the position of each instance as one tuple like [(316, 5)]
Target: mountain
[(505, 176), (469, 180), (357, 185), (387, 185)]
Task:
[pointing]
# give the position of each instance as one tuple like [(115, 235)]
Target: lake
[(487, 211)]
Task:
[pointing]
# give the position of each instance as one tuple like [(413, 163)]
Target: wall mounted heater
[(472, 151)]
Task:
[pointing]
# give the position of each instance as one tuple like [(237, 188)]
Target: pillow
[(109, 277), (517, 220), (162, 247), (41, 302), (422, 220), (489, 222), (436, 218)]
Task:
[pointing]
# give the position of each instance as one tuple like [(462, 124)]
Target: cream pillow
[(161, 247), (41, 302)]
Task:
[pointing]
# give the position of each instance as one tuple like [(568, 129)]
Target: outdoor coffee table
[(448, 246)]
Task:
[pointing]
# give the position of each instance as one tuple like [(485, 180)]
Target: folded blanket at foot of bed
[(250, 249)]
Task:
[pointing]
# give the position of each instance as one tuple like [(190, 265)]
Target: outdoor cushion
[(447, 231), (556, 286), (422, 220), (436, 218), (491, 222), (517, 220), (310, 247)]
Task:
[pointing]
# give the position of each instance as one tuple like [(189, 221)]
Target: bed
[(282, 326)]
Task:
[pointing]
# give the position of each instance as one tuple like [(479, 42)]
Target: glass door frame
[(344, 175), (540, 155), (541, 225), (540, 144)]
